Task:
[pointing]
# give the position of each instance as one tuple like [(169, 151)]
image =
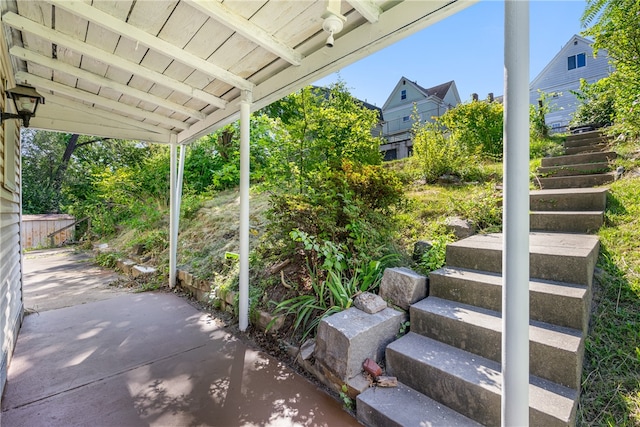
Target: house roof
[(174, 70), (560, 54), (439, 91)]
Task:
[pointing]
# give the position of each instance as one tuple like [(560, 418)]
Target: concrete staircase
[(585, 163), (448, 366)]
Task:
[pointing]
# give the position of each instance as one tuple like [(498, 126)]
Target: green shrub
[(477, 126), (336, 278), (484, 208), (545, 147), (597, 104), (348, 206), (437, 153), (434, 258)]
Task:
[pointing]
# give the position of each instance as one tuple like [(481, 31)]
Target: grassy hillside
[(611, 380)]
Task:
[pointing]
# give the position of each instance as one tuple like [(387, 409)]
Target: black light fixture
[(26, 101)]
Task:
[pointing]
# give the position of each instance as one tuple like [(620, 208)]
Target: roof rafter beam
[(247, 29), (23, 24), (367, 8), (115, 118), (98, 100), (79, 73), (104, 20)]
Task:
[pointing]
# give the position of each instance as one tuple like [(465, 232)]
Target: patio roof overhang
[(173, 70)]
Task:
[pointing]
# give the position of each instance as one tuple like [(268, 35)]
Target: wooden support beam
[(367, 8), (61, 39), (98, 17), (79, 73), (247, 29), (116, 106)]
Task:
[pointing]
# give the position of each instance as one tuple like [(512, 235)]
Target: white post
[(176, 203), (173, 244), (515, 251), (243, 302)]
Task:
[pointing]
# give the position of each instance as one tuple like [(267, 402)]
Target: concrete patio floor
[(149, 359)]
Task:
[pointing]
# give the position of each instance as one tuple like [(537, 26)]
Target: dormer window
[(576, 61), (403, 94)]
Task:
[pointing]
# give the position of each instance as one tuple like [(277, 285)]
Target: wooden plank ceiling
[(172, 71)]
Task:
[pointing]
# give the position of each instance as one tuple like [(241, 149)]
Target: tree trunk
[(58, 176)]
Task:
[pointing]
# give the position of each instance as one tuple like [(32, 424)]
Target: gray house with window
[(562, 75), (399, 108)]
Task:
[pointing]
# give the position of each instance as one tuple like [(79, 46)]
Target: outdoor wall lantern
[(26, 101)]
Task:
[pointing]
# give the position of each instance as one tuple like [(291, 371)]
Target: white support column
[(515, 251), (173, 215), (245, 117), (176, 203)]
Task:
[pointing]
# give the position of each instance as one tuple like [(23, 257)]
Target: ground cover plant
[(611, 376)]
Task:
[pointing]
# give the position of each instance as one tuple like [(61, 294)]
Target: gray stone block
[(420, 248), (402, 286), (125, 265), (347, 338), (263, 319), (461, 228), (142, 270), (369, 303)]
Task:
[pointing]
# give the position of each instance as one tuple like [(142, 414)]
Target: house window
[(403, 94), (406, 118), (576, 61)]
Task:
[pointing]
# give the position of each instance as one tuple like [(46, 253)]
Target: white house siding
[(557, 78), (10, 207)]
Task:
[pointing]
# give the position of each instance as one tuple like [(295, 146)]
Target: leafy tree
[(597, 104), (58, 168), (326, 175), (213, 162), (614, 26), (477, 126), (322, 127)]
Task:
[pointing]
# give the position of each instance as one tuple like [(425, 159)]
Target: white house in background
[(575, 61), (399, 108)]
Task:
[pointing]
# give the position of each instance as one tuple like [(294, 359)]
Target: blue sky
[(467, 47)]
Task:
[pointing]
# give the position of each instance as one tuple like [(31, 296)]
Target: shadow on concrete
[(151, 359)]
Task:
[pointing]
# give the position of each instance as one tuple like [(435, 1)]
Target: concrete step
[(567, 221), (404, 406), (581, 141), (470, 384), (561, 257), (558, 303), (587, 148), (594, 134), (577, 181), (576, 159), (573, 199), (570, 170), (555, 353)]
